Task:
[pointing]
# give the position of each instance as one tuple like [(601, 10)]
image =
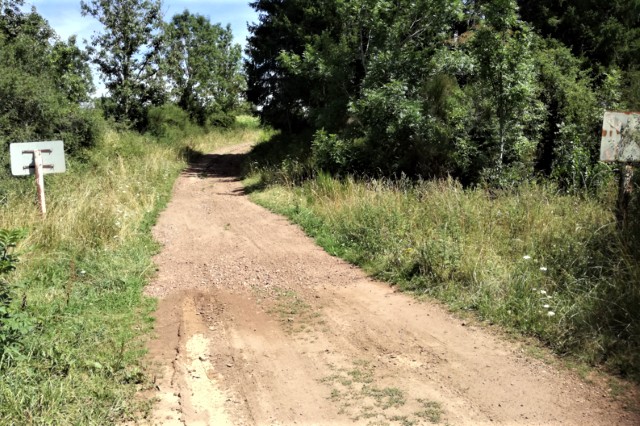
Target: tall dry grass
[(76, 295)]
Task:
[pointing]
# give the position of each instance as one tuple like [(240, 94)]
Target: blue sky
[(64, 15), (65, 18)]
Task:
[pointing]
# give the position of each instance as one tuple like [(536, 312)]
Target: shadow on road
[(227, 167), (215, 166)]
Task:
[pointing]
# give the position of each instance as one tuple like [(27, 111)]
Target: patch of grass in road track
[(293, 312), (355, 391)]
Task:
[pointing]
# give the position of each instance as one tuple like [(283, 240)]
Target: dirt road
[(258, 326)]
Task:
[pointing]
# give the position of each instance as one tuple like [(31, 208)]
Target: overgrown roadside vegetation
[(74, 314), (452, 148), (533, 259)]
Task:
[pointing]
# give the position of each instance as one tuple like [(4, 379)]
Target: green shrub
[(330, 153), (15, 323), (34, 110), (221, 119), (169, 121)]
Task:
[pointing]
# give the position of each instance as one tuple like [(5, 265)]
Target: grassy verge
[(74, 357), (546, 265)]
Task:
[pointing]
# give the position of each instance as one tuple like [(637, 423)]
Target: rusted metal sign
[(620, 137)]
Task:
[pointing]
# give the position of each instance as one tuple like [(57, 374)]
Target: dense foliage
[(147, 66), (503, 99), (43, 80), (443, 87), (12, 319), (203, 66), (146, 63), (606, 32)]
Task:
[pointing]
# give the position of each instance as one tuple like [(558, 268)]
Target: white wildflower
[(550, 313), (83, 272), (527, 257), (543, 268), (546, 306), (543, 292)]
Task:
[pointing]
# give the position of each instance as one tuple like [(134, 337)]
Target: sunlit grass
[(246, 130), (545, 264), (81, 276)]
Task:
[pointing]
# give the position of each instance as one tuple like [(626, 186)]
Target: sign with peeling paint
[(620, 137)]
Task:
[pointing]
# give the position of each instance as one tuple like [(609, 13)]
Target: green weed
[(356, 391), (431, 411), (545, 264), (294, 313)]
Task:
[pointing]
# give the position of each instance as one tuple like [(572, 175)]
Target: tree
[(604, 33), (360, 69), (11, 17), (426, 88), (502, 51), (570, 134), (71, 67), (127, 53), (38, 49), (204, 67), (285, 28), (42, 82)]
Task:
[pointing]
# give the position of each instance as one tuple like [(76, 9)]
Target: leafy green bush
[(469, 90), (35, 111), (42, 82), (331, 153), (14, 321), (169, 122), (221, 119)]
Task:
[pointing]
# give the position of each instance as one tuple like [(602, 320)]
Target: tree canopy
[(127, 53), (145, 62), (605, 32), (203, 66), (43, 81), (482, 90)]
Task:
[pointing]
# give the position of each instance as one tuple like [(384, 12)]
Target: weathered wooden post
[(621, 144), (37, 160)]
